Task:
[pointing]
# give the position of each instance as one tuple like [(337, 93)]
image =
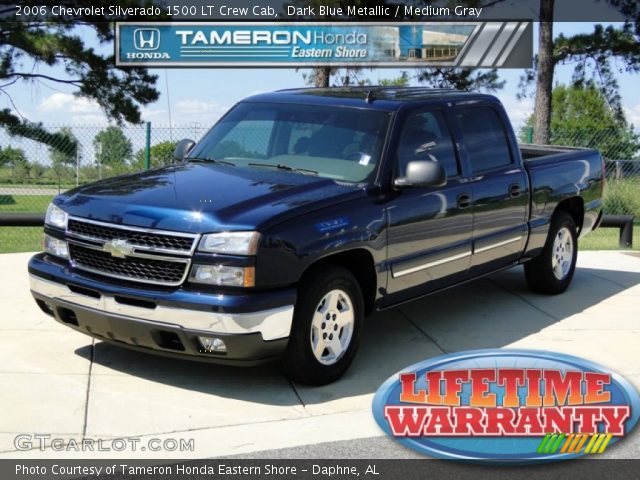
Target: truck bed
[(559, 173), (532, 152)]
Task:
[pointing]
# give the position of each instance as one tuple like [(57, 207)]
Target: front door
[(429, 235)]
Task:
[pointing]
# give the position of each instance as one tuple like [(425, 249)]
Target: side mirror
[(182, 149), (422, 173)]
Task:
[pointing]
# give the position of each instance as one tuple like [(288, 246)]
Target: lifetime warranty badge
[(291, 44), (507, 406)]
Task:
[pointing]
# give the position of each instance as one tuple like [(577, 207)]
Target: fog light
[(55, 246), (212, 344)]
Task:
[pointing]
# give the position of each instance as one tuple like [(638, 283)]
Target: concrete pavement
[(59, 382)]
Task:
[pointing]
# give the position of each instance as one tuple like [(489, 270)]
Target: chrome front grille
[(130, 253), (168, 242), (134, 268)]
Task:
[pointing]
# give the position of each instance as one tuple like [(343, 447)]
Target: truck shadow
[(494, 312)]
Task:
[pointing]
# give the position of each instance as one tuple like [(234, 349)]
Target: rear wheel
[(326, 327), (553, 270)]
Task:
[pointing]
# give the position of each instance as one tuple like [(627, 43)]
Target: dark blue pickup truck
[(302, 211)]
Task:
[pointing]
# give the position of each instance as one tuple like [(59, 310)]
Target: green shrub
[(622, 197)]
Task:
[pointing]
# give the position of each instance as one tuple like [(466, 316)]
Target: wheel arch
[(360, 263), (574, 206)]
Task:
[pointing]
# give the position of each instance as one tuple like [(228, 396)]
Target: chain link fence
[(37, 164), (61, 157)]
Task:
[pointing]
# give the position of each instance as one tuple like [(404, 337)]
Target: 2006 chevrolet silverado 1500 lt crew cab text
[(300, 212)]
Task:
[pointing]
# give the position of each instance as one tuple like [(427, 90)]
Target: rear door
[(429, 236), (499, 187)]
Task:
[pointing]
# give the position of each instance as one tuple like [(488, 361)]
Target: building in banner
[(422, 43), (387, 41)]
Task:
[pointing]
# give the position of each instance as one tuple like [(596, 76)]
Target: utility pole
[(78, 148), (98, 158)]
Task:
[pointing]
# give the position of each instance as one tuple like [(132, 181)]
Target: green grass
[(621, 197), (20, 239), (24, 203), (607, 239)]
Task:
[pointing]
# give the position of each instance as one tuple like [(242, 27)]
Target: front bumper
[(166, 322)]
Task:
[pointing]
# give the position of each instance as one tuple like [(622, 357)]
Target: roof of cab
[(376, 97)]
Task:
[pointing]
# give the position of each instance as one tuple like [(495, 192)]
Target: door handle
[(464, 200), (514, 190)]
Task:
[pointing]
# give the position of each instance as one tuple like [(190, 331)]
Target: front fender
[(289, 249)]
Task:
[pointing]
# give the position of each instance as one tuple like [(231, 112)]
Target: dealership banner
[(294, 44)]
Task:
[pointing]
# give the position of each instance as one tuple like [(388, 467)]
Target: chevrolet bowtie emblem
[(118, 248)]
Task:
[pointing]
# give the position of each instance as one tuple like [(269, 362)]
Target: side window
[(485, 138), (426, 136)]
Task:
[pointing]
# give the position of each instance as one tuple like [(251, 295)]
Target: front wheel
[(553, 270), (326, 327)]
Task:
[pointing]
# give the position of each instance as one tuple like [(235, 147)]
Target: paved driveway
[(59, 382)]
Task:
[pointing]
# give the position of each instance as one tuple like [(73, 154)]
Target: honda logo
[(146, 38)]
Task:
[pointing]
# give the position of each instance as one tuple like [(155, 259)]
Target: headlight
[(224, 275), (55, 246), (233, 243), (56, 217)]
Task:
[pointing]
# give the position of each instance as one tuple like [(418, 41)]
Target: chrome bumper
[(271, 324)]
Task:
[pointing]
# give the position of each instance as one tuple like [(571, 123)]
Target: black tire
[(300, 362), (539, 272)]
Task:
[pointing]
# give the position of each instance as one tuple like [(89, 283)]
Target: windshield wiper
[(211, 160), (282, 166)]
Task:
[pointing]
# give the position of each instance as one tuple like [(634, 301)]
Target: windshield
[(332, 142)]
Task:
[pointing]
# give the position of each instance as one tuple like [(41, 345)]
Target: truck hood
[(203, 197)]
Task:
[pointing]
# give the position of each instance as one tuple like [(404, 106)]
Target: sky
[(201, 96)]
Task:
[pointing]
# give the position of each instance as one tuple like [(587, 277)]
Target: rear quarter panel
[(559, 177)]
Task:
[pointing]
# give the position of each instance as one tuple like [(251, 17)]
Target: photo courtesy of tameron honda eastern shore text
[(302, 211)]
